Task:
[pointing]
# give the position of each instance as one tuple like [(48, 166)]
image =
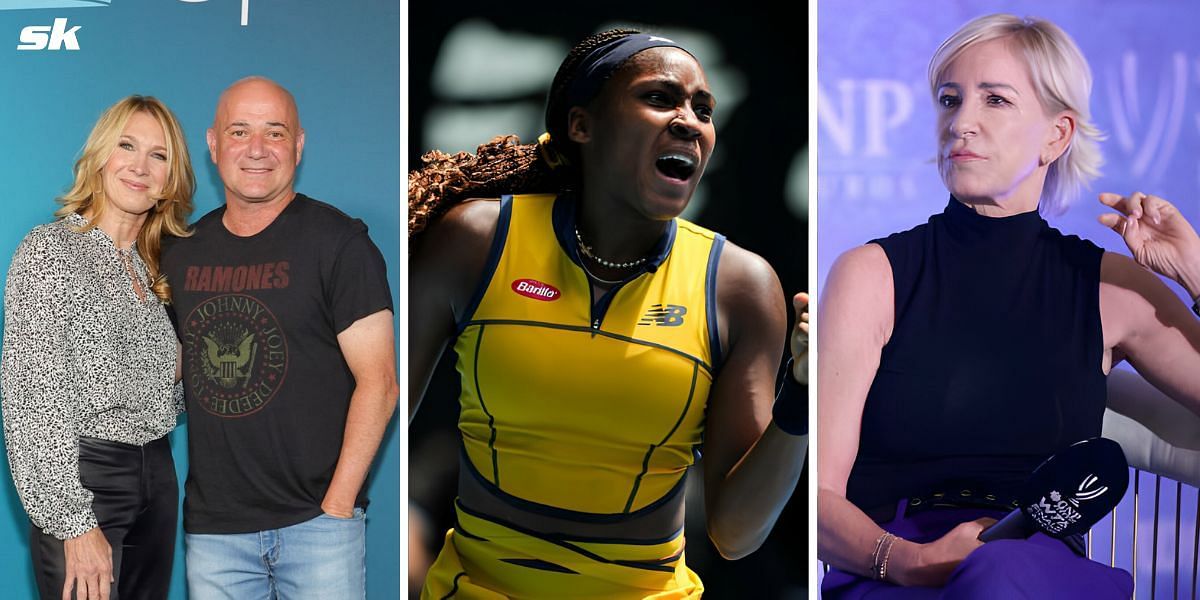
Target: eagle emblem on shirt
[(229, 361)]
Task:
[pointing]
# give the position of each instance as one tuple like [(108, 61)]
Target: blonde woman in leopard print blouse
[(89, 363)]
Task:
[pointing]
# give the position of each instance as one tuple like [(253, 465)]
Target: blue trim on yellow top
[(637, 481), (491, 419), (564, 217), (539, 564), (564, 537), (454, 589), (710, 299), (565, 513), (615, 336), (493, 261), (600, 307)]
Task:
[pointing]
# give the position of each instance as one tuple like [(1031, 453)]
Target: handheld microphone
[(1068, 493)]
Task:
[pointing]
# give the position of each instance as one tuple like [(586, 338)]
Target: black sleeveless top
[(994, 362)]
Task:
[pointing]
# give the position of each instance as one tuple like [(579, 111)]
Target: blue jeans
[(324, 557)]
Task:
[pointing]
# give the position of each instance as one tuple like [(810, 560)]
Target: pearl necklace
[(592, 276), (586, 251)]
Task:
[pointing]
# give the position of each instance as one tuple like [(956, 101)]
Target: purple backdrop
[(876, 146)]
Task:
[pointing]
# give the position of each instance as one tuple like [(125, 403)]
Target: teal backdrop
[(340, 59)]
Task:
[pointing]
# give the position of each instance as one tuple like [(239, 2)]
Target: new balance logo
[(49, 37), (664, 315)]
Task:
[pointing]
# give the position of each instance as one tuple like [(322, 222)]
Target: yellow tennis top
[(582, 404)]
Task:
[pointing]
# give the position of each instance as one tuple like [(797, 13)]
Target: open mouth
[(676, 166)]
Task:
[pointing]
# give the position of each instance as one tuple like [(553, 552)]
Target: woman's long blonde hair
[(169, 215)]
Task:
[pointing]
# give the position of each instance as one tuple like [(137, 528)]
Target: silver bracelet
[(879, 558), (886, 556)]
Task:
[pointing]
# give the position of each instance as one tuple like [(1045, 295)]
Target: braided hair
[(504, 164)]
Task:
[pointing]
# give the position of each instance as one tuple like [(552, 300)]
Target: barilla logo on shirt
[(532, 288)]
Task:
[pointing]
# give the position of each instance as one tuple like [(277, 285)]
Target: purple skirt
[(1039, 567)]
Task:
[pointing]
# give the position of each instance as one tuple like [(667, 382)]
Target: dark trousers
[(136, 503)]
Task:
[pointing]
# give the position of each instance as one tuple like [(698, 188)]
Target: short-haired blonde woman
[(89, 364), (958, 355)]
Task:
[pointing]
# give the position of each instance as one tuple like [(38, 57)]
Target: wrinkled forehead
[(666, 59), (997, 56)]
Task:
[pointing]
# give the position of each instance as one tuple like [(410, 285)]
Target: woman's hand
[(931, 564), (799, 339), (1158, 236), (89, 566)]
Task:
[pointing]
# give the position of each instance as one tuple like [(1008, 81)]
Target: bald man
[(285, 320)]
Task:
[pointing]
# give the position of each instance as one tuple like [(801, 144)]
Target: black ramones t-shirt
[(267, 387)]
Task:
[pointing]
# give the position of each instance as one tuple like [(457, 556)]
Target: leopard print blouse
[(83, 356)]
